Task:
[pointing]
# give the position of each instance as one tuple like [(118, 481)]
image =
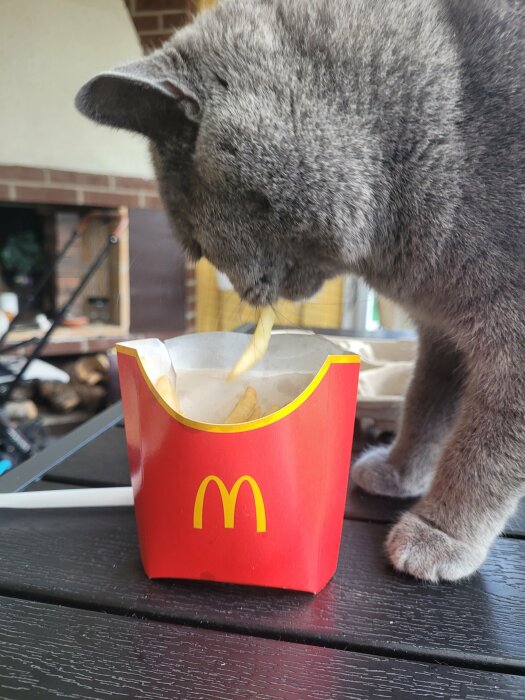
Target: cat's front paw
[(374, 474), (416, 548)]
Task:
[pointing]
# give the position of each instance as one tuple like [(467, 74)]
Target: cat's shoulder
[(488, 30)]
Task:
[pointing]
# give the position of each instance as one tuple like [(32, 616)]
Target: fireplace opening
[(26, 251), (31, 239)]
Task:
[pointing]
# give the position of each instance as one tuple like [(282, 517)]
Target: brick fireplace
[(32, 237), (63, 195), (151, 279), (48, 186)]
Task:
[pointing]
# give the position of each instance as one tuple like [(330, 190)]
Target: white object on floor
[(4, 322), (69, 498), (9, 303), (37, 370), (43, 322)]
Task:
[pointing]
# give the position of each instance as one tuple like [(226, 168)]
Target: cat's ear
[(145, 96)]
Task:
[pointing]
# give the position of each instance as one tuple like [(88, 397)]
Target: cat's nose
[(262, 293)]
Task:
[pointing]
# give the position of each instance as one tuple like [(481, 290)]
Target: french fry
[(258, 344), (243, 410), (257, 413), (167, 392)]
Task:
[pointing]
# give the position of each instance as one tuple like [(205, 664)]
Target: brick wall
[(155, 20), (48, 186)]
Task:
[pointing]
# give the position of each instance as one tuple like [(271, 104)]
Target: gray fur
[(297, 140)]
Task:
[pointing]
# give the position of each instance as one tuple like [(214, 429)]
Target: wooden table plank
[(90, 558), (377, 509), (49, 651), (104, 462), (50, 486)]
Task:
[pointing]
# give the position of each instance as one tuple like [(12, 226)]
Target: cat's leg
[(478, 482), (407, 467)]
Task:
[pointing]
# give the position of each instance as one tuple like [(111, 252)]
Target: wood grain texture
[(50, 486), (55, 652), (378, 509), (90, 558), (104, 462)]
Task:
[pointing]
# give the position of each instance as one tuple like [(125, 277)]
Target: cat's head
[(237, 165)]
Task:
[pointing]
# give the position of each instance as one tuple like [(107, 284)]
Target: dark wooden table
[(79, 619)]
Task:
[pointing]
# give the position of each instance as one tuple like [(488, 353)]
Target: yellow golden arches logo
[(229, 501)]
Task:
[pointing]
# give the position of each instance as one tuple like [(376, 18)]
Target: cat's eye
[(228, 147), (222, 81), (259, 200)]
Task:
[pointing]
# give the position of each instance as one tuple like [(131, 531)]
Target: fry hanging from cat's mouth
[(257, 346)]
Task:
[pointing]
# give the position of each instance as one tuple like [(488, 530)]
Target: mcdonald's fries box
[(258, 502)]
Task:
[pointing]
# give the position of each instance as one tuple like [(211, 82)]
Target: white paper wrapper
[(386, 368), (203, 361)]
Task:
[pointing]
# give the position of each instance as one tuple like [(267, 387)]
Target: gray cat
[(298, 139)]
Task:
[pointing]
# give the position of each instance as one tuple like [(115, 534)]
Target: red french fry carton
[(258, 503)]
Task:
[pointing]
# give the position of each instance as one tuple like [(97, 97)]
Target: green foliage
[(22, 254)]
